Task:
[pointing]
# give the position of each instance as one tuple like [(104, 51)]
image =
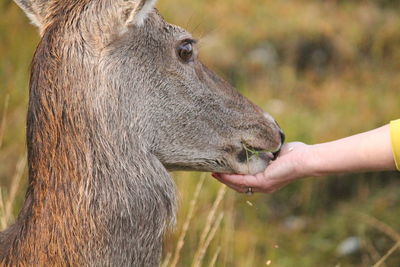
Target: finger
[(234, 186), (268, 189), (278, 171), (231, 178), (289, 147), (244, 190), (241, 180), (238, 189), (257, 182)]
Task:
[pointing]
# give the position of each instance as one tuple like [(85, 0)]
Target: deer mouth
[(249, 152), (250, 159)]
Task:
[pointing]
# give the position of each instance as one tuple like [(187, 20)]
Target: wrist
[(304, 160), (312, 162)]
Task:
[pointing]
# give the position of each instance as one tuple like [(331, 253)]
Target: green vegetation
[(323, 69)]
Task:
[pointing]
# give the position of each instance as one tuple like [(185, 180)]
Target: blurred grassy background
[(323, 68)]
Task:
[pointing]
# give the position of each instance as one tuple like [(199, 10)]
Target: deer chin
[(227, 164), (252, 165)]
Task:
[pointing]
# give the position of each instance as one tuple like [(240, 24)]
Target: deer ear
[(136, 11), (36, 10)]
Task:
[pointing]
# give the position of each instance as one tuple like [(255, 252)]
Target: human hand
[(289, 166)]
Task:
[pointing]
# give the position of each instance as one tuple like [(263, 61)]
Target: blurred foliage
[(323, 69)]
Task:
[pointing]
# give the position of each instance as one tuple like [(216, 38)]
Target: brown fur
[(110, 109)]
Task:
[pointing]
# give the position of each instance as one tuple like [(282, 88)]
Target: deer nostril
[(276, 154)]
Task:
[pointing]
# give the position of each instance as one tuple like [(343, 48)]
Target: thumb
[(283, 168)]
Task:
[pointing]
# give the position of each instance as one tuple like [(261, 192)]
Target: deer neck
[(93, 208), (92, 199)]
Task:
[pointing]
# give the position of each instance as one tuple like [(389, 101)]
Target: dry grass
[(389, 231), (3, 119), (186, 224), (356, 92), (215, 257), (8, 204), (207, 234), (211, 226), (387, 255)]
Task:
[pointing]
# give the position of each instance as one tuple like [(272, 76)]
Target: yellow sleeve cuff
[(395, 137)]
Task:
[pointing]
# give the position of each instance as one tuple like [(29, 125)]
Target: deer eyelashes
[(185, 50)]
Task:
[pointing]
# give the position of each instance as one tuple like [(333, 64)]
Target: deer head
[(142, 79)]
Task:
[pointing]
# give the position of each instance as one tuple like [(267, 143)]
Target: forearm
[(369, 151)]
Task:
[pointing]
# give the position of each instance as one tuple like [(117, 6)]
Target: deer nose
[(276, 153), (282, 134)]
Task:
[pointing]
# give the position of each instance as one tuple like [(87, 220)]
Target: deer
[(118, 98)]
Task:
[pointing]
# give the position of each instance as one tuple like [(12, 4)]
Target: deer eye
[(185, 50)]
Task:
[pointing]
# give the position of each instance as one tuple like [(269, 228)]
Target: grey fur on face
[(117, 98)]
